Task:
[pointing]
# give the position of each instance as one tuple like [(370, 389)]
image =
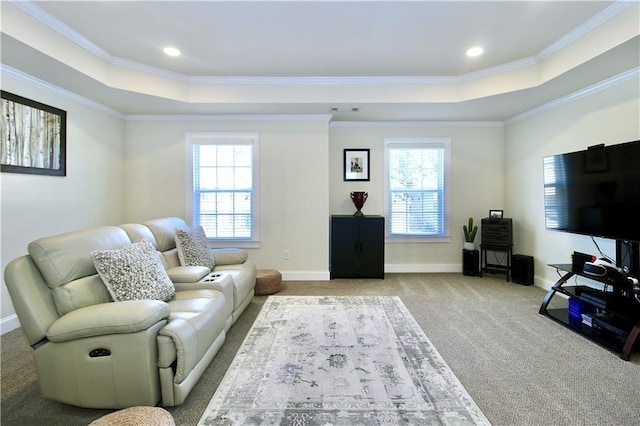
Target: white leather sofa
[(91, 351)]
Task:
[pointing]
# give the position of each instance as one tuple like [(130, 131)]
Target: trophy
[(358, 198)]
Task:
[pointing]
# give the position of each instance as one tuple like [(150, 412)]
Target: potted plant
[(470, 232)]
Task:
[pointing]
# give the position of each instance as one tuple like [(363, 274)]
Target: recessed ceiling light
[(475, 51), (171, 51)]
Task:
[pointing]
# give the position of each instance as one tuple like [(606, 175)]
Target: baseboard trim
[(305, 275), (391, 269), (9, 323), (423, 267)]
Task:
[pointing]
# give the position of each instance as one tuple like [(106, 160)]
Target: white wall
[(477, 183), (608, 116), (135, 170), (35, 206), (294, 188)]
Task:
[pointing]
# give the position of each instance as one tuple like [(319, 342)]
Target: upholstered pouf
[(268, 281), (136, 416)]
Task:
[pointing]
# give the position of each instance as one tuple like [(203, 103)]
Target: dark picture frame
[(33, 137), (356, 165), (495, 214)]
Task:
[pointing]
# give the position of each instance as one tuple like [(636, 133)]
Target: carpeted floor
[(519, 367)]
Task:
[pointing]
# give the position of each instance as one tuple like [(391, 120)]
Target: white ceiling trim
[(605, 84), (57, 25), (590, 25), (325, 118), (54, 23), (594, 88), (51, 88), (419, 124)]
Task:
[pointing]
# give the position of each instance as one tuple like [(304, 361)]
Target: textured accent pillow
[(193, 247), (134, 272)]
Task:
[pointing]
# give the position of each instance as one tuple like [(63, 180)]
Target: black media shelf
[(613, 316), (601, 336)]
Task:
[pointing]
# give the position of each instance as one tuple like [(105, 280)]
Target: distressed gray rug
[(339, 361)]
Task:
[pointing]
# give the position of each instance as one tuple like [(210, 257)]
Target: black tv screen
[(595, 192)]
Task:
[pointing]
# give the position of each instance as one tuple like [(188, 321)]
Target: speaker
[(470, 263), (497, 232), (522, 269)]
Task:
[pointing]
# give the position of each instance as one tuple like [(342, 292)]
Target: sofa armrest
[(187, 274), (108, 318), (229, 256)]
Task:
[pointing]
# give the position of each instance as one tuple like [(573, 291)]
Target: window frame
[(444, 143), (215, 138)]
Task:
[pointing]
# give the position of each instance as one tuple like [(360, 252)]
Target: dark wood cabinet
[(357, 247)]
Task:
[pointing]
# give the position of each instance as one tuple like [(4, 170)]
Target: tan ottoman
[(268, 281), (136, 416)]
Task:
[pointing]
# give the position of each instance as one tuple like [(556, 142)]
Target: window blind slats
[(416, 189), (223, 189)]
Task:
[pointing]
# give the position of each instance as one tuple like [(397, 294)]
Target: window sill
[(416, 240), (244, 244)]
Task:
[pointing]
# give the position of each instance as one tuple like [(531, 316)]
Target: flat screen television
[(596, 192)]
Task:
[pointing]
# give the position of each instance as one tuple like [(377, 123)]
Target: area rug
[(339, 361)]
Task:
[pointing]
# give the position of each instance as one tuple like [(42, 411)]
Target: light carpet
[(339, 361)]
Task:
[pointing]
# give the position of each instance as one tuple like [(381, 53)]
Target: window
[(223, 193), (416, 182)]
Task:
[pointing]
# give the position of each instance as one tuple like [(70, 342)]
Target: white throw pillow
[(134, 272), (193, 248)]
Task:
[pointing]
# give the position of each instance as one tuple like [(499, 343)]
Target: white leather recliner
[(93, 352)]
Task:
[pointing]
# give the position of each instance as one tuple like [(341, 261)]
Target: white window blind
[(555, 193), (416, 182), (224, 186)]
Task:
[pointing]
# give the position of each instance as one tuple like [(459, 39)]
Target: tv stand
[(612, 318)]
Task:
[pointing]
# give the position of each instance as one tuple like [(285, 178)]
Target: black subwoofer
[(470, 262), (522, 269)]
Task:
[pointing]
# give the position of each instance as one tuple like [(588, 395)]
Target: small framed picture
[(356, 164), (495, 214)]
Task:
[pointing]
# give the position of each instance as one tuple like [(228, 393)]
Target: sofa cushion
[(131, 316), (198, 318), (244, 280), (229, 256), (65, 263), (134, 272), (193, 247), (164, 231), (187, 274)]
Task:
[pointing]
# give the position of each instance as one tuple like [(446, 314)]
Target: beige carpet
[(519, 367)]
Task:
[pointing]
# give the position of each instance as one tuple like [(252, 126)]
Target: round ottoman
[(268, 281), (136, 416)]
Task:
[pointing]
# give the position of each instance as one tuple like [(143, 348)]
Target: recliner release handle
[(99, 352)]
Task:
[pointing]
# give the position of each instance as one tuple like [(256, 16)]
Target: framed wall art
[(356, 164), (33, 137)]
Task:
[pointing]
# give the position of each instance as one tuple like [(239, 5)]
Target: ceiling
[(390, 60)]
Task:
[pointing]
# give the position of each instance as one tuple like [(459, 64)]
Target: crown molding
[(54, 23), (44, 85), (40, 14), (605, 84), (324, 118), (594, 88), (149, 69), (440, 124), (585, 28)]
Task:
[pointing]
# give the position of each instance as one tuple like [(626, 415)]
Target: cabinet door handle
[(360, 247)]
